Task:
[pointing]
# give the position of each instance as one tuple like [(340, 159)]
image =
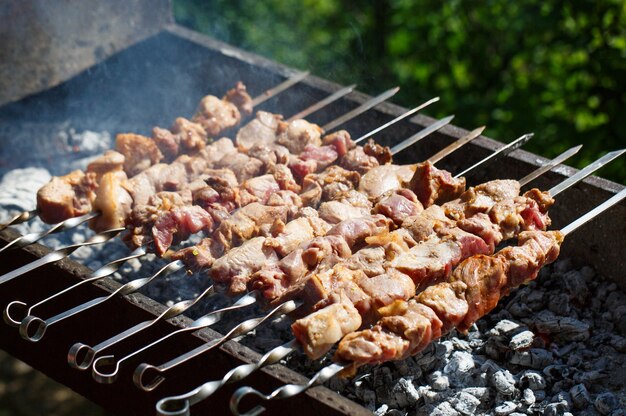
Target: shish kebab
[(88, 353), (114, 194), (374, 285), (280, 352), (81, 355), (110, 268), (473, 290), (214, 116)]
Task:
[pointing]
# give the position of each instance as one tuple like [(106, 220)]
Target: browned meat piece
[(447, 300), (381, 153), (157, 178), (216, 116), (261, 131), (384, 289), (184, 137), (356, 230), (177, 224), (311, 194), (140, 152), (323, 156), (270, 155), (372, 346), (429, 261), (319, 331), (197, 257), (113, 202), (358, 161), (297, 134), (481, 226), (354, 198), (66, 196), (422, 226), (435, 186), (284, 178), (416, 323), (261, 187), (340, 140), (335, 212), (481, 198), (370, 260), (384, 178), (335, 182), (217, 150), (240, 97), (110, 161), (247, 222), (398, 205), (237, 266), (244, 166), (287, 237)]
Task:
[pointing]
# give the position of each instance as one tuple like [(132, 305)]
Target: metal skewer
[(323, 103), (323, 375), (179, 405), (505, 150), (548, 166), (288, 83), (361, 109)]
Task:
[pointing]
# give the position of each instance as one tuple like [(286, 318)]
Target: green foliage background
[(557, 68)]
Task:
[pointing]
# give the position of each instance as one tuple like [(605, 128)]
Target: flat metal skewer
[(323, 375), (548, 166), (361, 109), (421, 134), (456, 145), (323, 103), (505, 150)]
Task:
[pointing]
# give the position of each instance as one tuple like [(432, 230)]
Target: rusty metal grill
[(171, 71)]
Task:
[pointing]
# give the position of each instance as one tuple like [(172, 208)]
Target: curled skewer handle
[(100, 364), (33, 328), (61, 253), (283, 392), (81, 356), (19, 218), (9, 319), (126, 289), (27, 239), (179, 405), (240, 329), (104, 271)]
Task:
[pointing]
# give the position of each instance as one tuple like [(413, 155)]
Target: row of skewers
[(381, 257)]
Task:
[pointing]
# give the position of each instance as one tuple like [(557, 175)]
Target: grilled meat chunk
[(185, 136), (335, 212), (66, 196), (384, 178), (297, 134), (216, 115), (140, 152), (261, 131), (398, 205), (239, 96), (319, 331), (287, 237), (110, 161), (178, 224), (435, 186), (113, 202)]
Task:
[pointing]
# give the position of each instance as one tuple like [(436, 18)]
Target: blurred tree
[(556, 68)]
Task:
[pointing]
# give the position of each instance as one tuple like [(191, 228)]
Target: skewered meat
[(384, 178), (113, 201), (259, 132), (239, 96), (287, 237), (340, 140), (110, 161), (326, 327), (296, 135), (398, 205), (66, 196), (473, 290), (178, 224), (435, 186), (140, 152), (216, 115), (185, 136), (335, 211)]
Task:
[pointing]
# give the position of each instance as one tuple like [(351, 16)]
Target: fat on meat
[(110, 161), (113, 202), (297, 134), (385, 178)]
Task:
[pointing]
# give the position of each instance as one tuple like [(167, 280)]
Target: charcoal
[(576, 284), (505, 408), (522, 340), (559, 304), (465, 403), (404, 394), (562, 328), (555, 409), (458, 369), (438, 381), (382, 410), (533, 380), (580, 396), (532, 358), (504, 382), (605, 403), (528, 397), (444, 409)]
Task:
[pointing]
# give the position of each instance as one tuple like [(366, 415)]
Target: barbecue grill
[(171, 71)]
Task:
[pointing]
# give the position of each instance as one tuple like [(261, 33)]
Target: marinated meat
[(398, 205), (335, 212), (244, 166), (113, 202), (297, 134), (270, 154), (239, 96), (359, 161), (184, 137), (381, 153), (356, 230), (435, 186), (66, 196), (216, 115), (384, 178), (287, 237), (247, 222), (236, 266), (178, 224), (140, 152), (322, 329), (261, 131), (197, 257), (110, 161), (481, 198), (340, 140)]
